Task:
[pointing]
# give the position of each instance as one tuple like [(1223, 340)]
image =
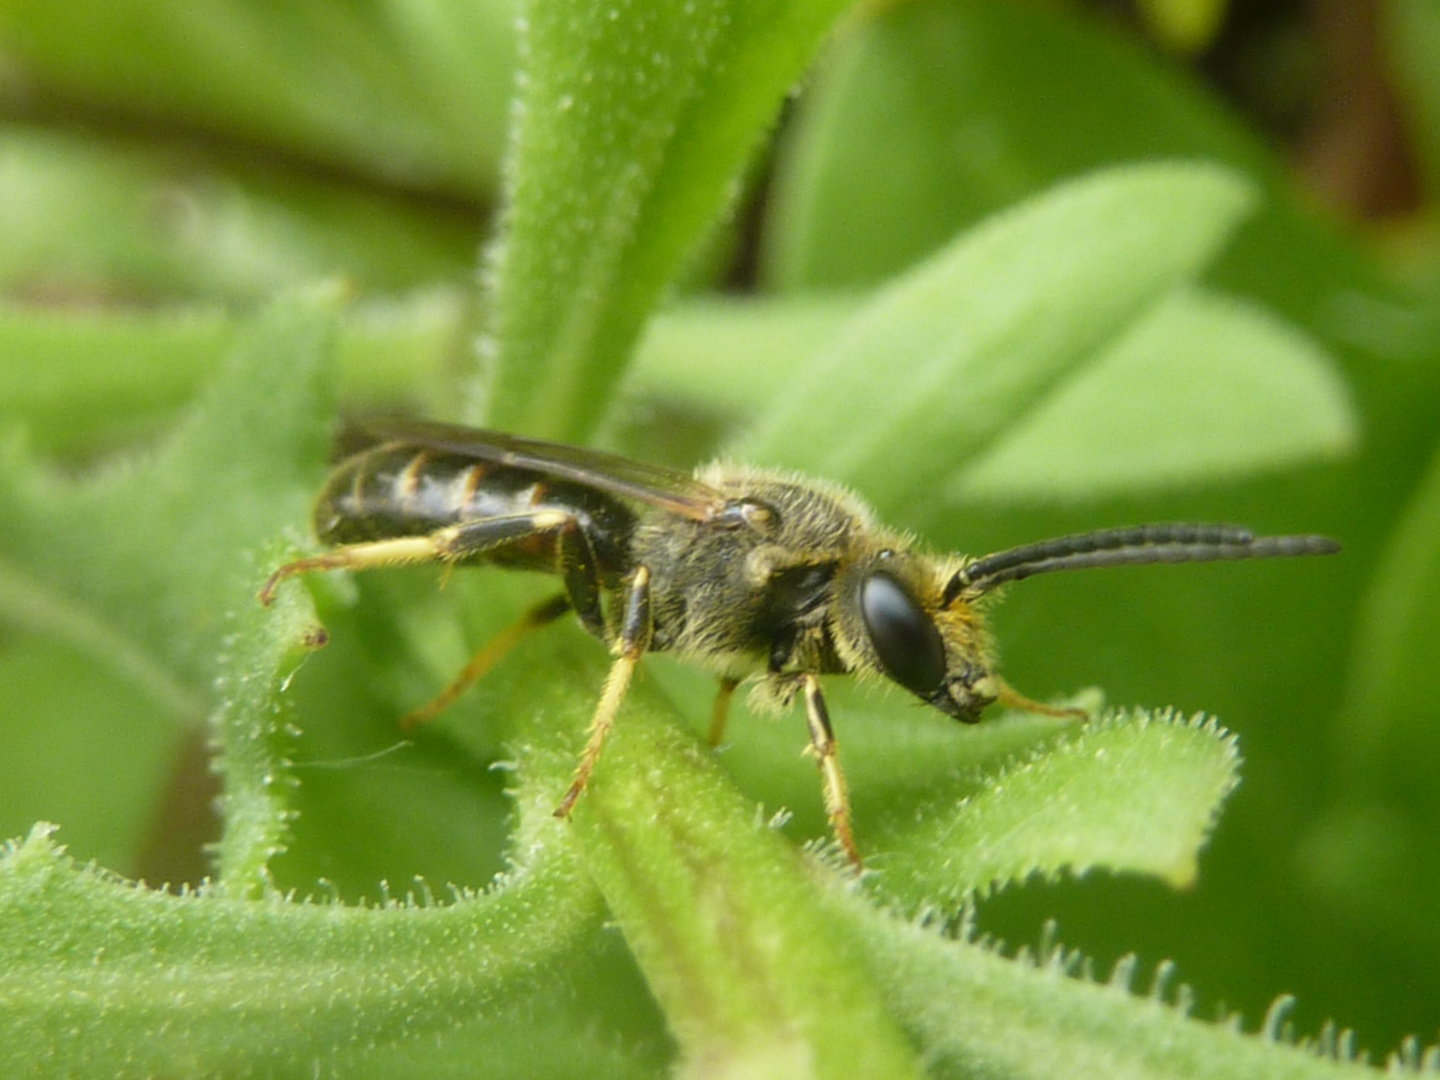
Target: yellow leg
[(634, 640), (827, 756), (720, 711), (402, 551), (490, 654), (467, 539), (615, 686), (1013, 699)]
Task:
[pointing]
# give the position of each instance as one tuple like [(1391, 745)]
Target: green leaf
[(755, 960), (236, 984), (1381, 825), (936, 114), (945, 813), (973, 1012), (632, 125), (75, 380), (970, 341), (720, 916), (204, 984), (109, 218), (411, 93), (81, 380), (80, 745), (167, 600), (175, 552), (1124, 793), (1200, 389), (753, 954), (730, 355), (1393, 681), (764, 966), (933, 115)]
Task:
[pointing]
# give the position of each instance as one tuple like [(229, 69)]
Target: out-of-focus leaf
[(1201, 390), (1412, 37), (414, 92), (1394, 679), (732, 355), (157, 561), (88, 218), (75, 381), (952, 354), (933, 115), (1384, 823), (1185, 26)]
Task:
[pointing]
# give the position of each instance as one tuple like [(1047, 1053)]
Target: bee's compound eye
[(904, 636)]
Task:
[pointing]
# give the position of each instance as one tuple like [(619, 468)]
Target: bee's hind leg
[(449, 545), (490, 654), (371, 555), (464, 540), (576, 565)]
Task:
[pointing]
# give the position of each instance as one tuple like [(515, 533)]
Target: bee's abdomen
[(399, 490), (391, 491)]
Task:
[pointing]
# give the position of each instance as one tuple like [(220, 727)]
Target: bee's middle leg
[(720, 710), (635, 633)]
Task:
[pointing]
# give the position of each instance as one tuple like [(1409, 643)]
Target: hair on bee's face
[(918, 629)]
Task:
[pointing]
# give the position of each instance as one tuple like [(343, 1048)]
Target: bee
[(749, 573)]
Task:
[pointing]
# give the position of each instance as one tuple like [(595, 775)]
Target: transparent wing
[(676, 491)]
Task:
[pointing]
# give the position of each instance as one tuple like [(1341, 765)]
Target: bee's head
[(905, 620), (913, 618)]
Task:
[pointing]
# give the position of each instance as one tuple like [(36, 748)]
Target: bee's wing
[(676, 491)]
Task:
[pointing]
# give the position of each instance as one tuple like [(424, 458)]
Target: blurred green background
[(165, 166)]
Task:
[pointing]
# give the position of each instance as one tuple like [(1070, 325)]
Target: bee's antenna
[(1171, 543)]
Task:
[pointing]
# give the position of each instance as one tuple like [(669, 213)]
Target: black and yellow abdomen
[(398, 489)]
